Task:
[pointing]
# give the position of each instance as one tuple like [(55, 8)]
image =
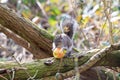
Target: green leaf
[(54, 1), (25, 1), (56, 11), (29, 2), (52, 20), (41, 1)]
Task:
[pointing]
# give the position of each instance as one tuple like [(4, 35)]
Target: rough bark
[(45, 71), (100, 58), (40, 41)]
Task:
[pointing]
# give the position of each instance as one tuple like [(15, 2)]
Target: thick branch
[(99, 59), (44, 71), (40, 41)]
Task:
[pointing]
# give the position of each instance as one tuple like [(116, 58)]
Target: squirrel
[(64, 41), (68, 27)]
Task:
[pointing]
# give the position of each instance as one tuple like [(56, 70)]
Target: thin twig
[(15, 60), (13, 74), (35, 74), (99, 78), (32, 78), (21, 66), (3, 77), (101, 32), (110, 25), (77, 74), (70, 5), (43, 11), (9, 75), (107, 15)]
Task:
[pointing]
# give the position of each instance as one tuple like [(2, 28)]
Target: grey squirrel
[(68, 27)]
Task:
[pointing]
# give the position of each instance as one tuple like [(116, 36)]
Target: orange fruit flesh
[(58, 53)]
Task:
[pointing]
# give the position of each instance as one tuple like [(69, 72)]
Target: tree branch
[(90, 59), (40, 41), (99, 59)]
